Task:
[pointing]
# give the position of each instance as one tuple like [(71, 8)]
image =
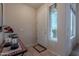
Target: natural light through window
[(72, 24), (54, 24)]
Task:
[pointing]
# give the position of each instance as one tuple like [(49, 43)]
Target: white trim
[(72, 37)]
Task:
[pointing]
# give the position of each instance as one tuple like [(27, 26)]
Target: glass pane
[(72, 27), (71, 23), (54, 23)]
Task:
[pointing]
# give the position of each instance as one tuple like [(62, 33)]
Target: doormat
[(39, 48)]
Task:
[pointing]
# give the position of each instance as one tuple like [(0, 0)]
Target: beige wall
[(64, 45), (77, 23), (22, 19), (42, 24), (1, 37), (43, 28), (0, 13), (31, 24), (69, 43)]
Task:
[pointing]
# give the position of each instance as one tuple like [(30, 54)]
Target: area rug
[(39, 48)]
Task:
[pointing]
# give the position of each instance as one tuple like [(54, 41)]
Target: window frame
[(51, 8), (73, 32)]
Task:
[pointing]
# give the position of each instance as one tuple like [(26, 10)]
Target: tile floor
[(32, 52)]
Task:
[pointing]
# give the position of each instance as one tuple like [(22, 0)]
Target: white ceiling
[(34, 5)]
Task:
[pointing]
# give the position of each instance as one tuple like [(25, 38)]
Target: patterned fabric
[(7, 52)]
